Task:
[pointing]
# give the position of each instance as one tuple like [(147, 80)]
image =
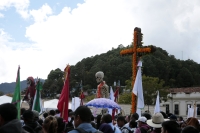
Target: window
[(167, 108), (198, 109), (187, 108), (176, 109)]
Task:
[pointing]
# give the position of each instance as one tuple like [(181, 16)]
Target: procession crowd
[(82, 121)]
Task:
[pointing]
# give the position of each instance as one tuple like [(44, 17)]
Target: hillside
[(10, 87)]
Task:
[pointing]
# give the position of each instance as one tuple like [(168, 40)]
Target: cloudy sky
[(43, 35)]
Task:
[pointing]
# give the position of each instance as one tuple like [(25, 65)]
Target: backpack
[(129, 131), (80, 130)]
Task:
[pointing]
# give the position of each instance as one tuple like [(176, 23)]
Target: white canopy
[(5, 99), (52, 104)]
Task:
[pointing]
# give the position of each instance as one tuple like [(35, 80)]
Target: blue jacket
[(85, 126)]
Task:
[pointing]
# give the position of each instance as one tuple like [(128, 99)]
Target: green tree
[(1, 93), (54, 83), (185, 78), (150, 86)]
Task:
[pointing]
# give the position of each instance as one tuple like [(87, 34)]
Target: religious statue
[(30, 93), (102, 88)]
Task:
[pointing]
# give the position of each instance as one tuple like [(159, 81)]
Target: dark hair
[(106, 128), (107, 118), (147, 115), (61, 125), (171, 126), (98, 121), (121, 118), (134, 116), (52, 112), (164, 114), (133, 124), (190, 129), (180, 118), (28, 115), (84, 113), (8, 111), (45, 115), (57, 111)]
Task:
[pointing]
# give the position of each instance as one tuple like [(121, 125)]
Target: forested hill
[(175, 72)]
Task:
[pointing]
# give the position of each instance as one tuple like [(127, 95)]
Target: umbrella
[(103, 103)]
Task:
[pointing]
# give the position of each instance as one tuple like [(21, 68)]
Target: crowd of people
[(82, 121)]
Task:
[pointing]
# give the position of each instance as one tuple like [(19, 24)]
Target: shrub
[(125, 98)]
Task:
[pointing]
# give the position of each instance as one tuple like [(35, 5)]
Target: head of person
[(189, 129), (134, 116), (133, 124), (141, 120), (170, 127), (156, 121), (106, 118), (28, 116), (45, 115), (61, 125), (193, 122), (50, 125), (173, 118), (82, 115), (180, 118), (106, 128), (164, 114), (52, 112), (121, 121), (8, 112), (147, 115), (36, 115), (57, 111)]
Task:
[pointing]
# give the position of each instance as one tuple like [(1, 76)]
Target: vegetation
[(160, 71)]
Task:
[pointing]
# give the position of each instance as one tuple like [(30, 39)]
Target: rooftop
[(185, 90)]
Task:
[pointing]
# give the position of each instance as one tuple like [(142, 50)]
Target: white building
[(180, 98)]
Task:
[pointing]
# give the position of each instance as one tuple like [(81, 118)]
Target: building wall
[(182, 100)]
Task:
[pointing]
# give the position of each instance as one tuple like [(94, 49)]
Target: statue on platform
[(102, 88), (30, 93)]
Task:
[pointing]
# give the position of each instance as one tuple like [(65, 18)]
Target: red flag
[(64, 97)]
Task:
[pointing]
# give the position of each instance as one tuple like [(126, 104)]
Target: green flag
[(37, 103), (17, 94)]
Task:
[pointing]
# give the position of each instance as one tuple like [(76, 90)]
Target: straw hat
[(156, 120)]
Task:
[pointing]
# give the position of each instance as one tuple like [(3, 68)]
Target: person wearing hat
[(173, 118), (142, 125), (156, 122)]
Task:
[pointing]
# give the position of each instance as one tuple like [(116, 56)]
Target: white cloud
[(1, 15), (41, 14), (20, 5), (96, 26)]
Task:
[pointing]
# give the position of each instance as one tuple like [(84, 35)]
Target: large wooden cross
[(137, 51)]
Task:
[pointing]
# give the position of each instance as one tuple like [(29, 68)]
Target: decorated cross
[(137, 51)]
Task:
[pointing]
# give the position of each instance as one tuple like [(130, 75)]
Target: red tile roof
[(185, 90)]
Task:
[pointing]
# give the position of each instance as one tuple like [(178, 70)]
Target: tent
[(52, 104), (5, 99)]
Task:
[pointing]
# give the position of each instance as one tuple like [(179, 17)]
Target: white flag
[(157, 107), (111, 98), (138, 89)]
